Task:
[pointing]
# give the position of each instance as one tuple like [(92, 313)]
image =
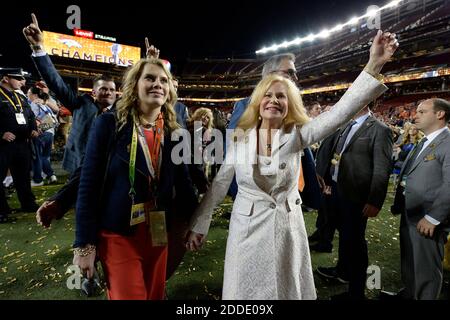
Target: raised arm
[(366, 88), (44, 65)]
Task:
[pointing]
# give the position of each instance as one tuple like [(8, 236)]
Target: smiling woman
[(142, 187), (267, 254)]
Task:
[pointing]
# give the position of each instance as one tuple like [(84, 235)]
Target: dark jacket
[(8, 121), (112, 212), (366, 165), (83, 108)]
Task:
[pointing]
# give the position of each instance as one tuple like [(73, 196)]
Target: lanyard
[(153, 161), (13, 104)]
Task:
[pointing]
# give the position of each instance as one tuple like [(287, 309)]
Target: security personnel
[(17, 126)]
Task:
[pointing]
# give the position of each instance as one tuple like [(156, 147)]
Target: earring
[(259, 118)]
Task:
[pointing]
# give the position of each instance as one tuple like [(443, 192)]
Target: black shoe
[(331, 273), (314, 237), (319, 247)]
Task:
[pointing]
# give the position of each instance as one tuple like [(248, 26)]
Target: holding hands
[(194, 241)]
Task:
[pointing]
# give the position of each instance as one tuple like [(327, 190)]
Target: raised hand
[(32, 32), (383, 47), (151, 51)]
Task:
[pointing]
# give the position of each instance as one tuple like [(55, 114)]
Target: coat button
[(297, 202), (273, 206), (283, 166)]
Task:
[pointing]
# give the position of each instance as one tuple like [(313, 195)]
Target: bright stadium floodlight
[(353, 20), (324, 34), (393, 4), (328, 32), (339, 27), (310, 37)]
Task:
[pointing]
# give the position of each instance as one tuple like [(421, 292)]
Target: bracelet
[(85, 251)]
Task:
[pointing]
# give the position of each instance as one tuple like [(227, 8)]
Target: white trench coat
[(267, 254)]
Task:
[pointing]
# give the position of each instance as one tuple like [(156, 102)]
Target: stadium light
[(324, 34), (393, 4), (327, 32), (339, 27), (353, 20)]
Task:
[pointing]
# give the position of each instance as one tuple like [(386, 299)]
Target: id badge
[(20, 118), (157, 225), (137, 214)]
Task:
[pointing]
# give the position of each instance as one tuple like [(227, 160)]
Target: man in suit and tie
[(423, 200), (359, 168)]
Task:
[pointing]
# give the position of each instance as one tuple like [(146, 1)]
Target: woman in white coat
[(267, 253)]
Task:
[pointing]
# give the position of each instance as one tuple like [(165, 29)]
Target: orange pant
[(134, 269)]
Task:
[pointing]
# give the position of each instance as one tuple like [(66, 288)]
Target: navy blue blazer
[(83, 108), (112, 211)]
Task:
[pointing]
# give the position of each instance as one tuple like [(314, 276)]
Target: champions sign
[(72, 47)]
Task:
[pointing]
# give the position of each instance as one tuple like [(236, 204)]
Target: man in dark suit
[(422, 198), (84, 108), (360, 166)]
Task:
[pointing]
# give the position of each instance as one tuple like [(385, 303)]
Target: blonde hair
[(128, 105), (296, 111), (407, 137), (198, 115)]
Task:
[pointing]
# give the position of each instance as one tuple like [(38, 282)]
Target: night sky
[(194, 28)]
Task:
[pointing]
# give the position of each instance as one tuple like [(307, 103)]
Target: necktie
[(413, 158), (341, 142)]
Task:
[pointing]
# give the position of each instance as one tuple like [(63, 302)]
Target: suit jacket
[(366, 164), (428, 182), (83, 108), (324, 154), (111, 212)]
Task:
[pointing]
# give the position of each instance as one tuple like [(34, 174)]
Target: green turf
[(34, 260)]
